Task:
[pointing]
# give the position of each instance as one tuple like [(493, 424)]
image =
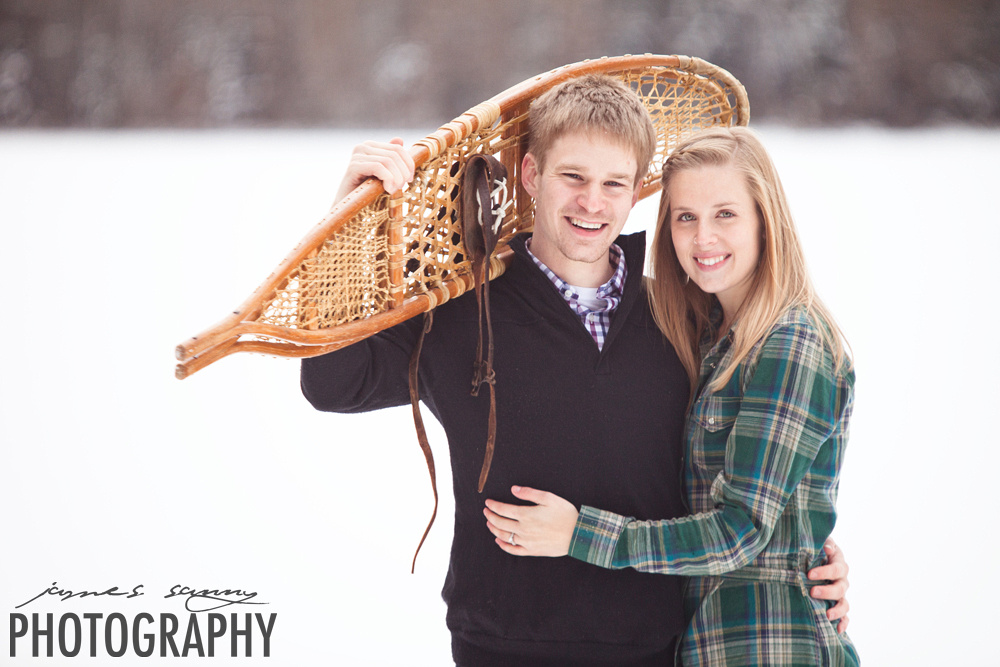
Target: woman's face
[(716, 231)]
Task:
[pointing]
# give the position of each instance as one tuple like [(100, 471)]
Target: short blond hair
[(592, 104)]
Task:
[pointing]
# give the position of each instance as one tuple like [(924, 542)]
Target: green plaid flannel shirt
[(762, 464)]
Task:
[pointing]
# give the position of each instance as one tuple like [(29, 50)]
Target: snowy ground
[(118, 246)]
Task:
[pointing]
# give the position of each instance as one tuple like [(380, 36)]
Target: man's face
[(583, 196)]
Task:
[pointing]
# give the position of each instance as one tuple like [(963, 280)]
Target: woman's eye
[(726, 214), (685, 217)]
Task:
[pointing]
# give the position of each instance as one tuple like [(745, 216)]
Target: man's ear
[(529, 174)]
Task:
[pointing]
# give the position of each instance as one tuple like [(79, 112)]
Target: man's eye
[(575, 177), (614, 184)]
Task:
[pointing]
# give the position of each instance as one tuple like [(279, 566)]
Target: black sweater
[(600, 428)]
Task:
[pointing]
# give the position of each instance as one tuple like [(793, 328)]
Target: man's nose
[(592, 198)]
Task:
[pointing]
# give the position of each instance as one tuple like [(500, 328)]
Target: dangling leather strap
[(418, 422), (484, 177)]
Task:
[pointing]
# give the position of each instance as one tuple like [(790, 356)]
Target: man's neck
[(579, 274)]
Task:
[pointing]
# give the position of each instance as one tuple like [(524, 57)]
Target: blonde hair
[(592, 104), (780, 281)]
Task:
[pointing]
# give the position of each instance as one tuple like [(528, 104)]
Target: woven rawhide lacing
[(484, 204)]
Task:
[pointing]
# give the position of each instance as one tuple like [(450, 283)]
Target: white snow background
[(117, 246)]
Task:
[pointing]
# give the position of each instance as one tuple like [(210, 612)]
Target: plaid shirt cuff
[(596, 536)]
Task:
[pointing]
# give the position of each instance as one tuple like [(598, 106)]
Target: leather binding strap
[(485, 179), (418, 423)]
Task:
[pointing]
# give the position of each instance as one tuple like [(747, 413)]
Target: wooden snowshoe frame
[(377, 259)]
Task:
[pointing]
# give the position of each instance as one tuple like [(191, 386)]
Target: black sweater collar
[(552, 303)]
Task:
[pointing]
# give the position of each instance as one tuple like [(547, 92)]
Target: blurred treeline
[(419, 63)]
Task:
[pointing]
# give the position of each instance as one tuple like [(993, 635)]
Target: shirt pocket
[(712, 418)]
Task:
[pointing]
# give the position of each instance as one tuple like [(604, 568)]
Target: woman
[(772, 391)]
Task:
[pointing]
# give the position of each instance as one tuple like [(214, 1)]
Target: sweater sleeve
[(789, 408), (368, 375)]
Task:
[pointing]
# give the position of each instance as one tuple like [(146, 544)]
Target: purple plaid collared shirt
[(596, 320)]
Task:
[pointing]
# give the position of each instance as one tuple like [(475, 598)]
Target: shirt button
[(711, 420), (567, 293), (591, 316)]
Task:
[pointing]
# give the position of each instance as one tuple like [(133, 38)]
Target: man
[(590, 397)]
